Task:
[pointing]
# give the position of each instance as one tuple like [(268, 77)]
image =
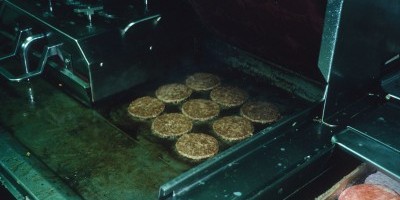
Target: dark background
[(4, 194), (285, 32)]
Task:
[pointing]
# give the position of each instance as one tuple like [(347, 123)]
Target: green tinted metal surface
[(375, 138), (359, 37), (25, 176), (109, 156), (370, 150), (102, 154), (265, 170), (93, 157)]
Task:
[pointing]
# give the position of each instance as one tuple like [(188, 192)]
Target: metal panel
[(370, 150), (375, 138), (359, 36)]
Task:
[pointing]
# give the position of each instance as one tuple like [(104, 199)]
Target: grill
[(70, 69)]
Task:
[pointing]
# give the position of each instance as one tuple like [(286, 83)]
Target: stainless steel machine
[(70, 69), (84, 43)]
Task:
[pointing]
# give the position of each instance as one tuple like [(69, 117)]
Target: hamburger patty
[(173, 93), (233, 128), (197, 146), (368, 192), (200, 109), (146, 107), (260, 112), (202, 81), (229, 96), (171, 125)]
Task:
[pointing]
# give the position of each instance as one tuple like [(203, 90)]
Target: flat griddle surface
[(92, 156), (115, 110), (101, 153)]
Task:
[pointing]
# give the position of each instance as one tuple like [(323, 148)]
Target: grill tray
[(258, 90), (102, 153)]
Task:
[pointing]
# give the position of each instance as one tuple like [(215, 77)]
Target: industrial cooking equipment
[(84, 43), (359, 58), (70, 69)]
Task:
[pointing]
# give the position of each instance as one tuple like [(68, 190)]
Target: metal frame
[(359, 37)]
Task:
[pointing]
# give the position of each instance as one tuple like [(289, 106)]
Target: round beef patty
[(196, 146), (260, 112), (146, 107), (233, 128), (200, 109), (171, 125), (173, 93), (202, 81), (368, 192), (228, 96)]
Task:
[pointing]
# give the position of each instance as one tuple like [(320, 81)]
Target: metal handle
[(25, 49), (48, 52), (22, 34)]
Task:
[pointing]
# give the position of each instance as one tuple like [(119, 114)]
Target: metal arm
[(48, 52), (25, 49)]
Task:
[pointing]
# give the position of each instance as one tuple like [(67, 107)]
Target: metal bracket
[(89, 11), (25, 46)]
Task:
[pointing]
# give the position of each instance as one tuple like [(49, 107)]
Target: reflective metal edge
[(328, 42), (186, 180), (329, 36), (359, 37), (25, 176), (370, 150)]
